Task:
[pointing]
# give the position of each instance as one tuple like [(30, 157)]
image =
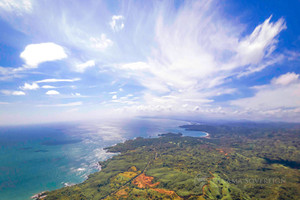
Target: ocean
[(36, 158)]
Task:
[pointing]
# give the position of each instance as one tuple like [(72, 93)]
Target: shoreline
[(43, 194), (207, 136), (40, 195)]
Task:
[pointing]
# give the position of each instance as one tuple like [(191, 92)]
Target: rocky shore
[(39, 196)]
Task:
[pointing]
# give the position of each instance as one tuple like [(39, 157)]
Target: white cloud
[(15, 93), (10, 73), (196, 53), (135, 66), (114, 97), (258, 46), (34, 54), (293, 55), (261, 42), (280, 97), (82, 67), (18, 93), (52, 92), (54, 80), (48, 87), (182, 58), (17, 6), (101, 42), (28, 86), (285, 79), (117, 23), (76, 94), (79, 103), (5, 70), (272, 97)]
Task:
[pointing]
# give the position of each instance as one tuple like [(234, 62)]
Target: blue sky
[(71, 60)]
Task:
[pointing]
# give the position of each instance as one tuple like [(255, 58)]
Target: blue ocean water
[(46, 157)]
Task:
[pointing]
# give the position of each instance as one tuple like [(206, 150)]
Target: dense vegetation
[(237, 161)]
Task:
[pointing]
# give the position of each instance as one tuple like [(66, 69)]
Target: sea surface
[(36, 158)]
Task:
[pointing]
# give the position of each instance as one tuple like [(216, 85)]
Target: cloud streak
[(15, 93), (79, 103), (54, 80), (52, 92), (16, 6), (84, 66)]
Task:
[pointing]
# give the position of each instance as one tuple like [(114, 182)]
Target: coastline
[(40, 195), (43, 194), (207, 136)]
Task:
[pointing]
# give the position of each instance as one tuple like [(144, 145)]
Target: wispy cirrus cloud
[(193, 61), (286, 79), (35, 86), (48, 87), (54, 80), (84, 66), (101, 42), (257, 47), (78, 103), (16, 6), (8, 73), (12, 92)]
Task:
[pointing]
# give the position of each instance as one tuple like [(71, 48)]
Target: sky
[(79, 60)]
